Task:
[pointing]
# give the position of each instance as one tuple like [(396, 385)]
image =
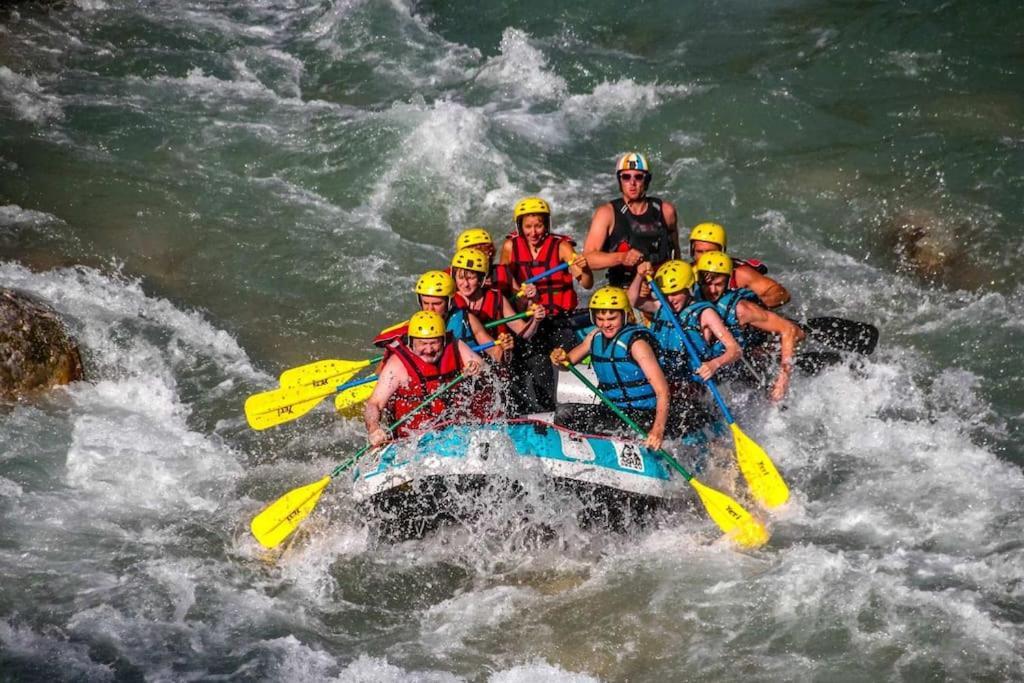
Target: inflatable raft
[(408, 483)]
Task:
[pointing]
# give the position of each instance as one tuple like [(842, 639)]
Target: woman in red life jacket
[(469, 268), (428, 359), (531, 250), (632, 228), (749, 273), (500, 275), (434, 292)]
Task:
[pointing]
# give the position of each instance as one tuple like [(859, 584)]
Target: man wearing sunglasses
[(632, 228)]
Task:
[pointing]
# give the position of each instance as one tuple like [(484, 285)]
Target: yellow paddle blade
[(282, 517), (731, 518), (322, 373), (349, 402), (271, 408), (765, 482)]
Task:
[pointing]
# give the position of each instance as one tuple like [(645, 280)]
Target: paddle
[(541, 276), (352, 394), (729, 515), (334, 372), (279, 519), (765, 483), (843, 335)]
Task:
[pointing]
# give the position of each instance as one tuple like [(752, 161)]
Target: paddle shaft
[(625, 418), (398, 423), (690, 351)]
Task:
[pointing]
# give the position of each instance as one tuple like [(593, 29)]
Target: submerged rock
[(925, 244), (36, 352)]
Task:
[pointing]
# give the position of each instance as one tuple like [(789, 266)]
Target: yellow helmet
[(674, 276), (714, 262), (529, 205), (471, 237), (610, 299), (426, 325), (709, 232), (435, 283), (472, 259)]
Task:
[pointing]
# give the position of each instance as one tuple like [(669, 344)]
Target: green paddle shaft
[(625, 418)]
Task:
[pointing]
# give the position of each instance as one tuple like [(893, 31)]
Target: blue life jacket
[(726, 306), (672, 355), (458, 325), (618, 375)]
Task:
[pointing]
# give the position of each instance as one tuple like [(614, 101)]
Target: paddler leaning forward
[(427, 359), (623, 357)]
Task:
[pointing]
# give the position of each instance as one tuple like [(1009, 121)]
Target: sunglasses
[(639, 177)]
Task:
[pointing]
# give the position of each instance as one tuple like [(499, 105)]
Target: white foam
[(521, 70), (445, 626), (28, 99), (540, 670), (366, 669), (62, 657)]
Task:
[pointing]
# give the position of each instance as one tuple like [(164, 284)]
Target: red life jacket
[(424, 379), (555, 292), (490, 308), (752, 262)]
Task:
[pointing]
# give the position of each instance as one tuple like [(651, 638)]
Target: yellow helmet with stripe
[(470, 237), (471, 259), (674, 276), (435, 283), (632, 161), (709, 232), (714, 262), (426, 325)]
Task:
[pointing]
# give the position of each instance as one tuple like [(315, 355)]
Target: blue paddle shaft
[(549, 271), (690, 351)]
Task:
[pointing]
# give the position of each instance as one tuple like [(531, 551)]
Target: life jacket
[(647, 233), (424, 379), (754, 263), (491, 308), (555, 292), (500, 278), (672, 355), (726, 307), (618, 375)]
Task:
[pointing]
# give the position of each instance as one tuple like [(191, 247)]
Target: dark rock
[(36, 352)]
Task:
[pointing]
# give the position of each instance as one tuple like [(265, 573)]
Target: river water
[(211, 192)]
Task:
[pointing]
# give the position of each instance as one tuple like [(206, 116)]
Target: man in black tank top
[(632, 228)]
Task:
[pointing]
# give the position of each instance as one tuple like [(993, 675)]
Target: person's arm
[(713, 323), (524, 329), (471, 360), (770, 292), (669, 212), (789, 333), (600, 227), (639, 293), (560, 356), (644, 356), (392, 376), (578, 267), (502, 344)]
